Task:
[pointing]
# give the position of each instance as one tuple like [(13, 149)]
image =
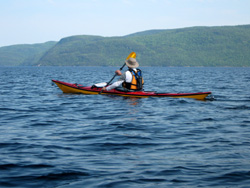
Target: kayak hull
[(76, 88)]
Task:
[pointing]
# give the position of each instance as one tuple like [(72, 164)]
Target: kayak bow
[(77, 88)]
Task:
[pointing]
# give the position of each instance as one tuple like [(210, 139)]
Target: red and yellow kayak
[(77, 88)]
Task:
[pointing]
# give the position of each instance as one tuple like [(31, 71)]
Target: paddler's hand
[(103, 89), (118, 72)]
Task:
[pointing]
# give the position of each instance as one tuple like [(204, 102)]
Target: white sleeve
[(117, 83), (128, 77), (114, 85)]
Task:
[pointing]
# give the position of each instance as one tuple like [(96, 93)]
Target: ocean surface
[(50, 139)]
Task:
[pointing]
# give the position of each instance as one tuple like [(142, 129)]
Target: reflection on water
[(129, 100)]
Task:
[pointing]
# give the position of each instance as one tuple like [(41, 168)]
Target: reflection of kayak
[(77, 88)]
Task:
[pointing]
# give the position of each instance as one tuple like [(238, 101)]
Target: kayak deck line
[(78, 88)]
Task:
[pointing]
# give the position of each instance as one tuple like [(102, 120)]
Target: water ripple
[(51, 139)]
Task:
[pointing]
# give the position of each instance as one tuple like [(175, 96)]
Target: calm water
[(51, 139)]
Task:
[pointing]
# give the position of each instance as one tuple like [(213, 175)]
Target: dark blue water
[(51, 139)]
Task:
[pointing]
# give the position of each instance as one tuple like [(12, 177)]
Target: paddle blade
[(132, 54)]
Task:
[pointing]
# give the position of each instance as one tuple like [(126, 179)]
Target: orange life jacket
[(137, 80)]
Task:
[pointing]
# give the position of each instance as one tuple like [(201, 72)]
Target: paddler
[(131, 80)]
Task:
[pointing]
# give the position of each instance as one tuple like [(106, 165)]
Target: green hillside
[(198, 46), (23, 54), (195, 46)]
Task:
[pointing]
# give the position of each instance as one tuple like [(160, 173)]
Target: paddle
[(133, 55)]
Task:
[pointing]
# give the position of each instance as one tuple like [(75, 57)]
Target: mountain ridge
[(191, 46)]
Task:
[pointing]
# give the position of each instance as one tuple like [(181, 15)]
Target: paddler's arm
[(117, 83)]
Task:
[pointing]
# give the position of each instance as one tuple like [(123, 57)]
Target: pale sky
[(38, 21)]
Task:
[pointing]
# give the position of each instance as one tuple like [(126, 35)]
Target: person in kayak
[(129, 80)]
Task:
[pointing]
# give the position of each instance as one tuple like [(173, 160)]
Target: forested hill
[(23, 54), (195, 46)]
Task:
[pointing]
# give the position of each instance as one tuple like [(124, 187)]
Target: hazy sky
[(37, 21)]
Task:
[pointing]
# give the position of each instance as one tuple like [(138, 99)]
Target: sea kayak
[(78, 88)]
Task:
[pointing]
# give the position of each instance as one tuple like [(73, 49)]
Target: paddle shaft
[(132, 54), (115, 74)]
